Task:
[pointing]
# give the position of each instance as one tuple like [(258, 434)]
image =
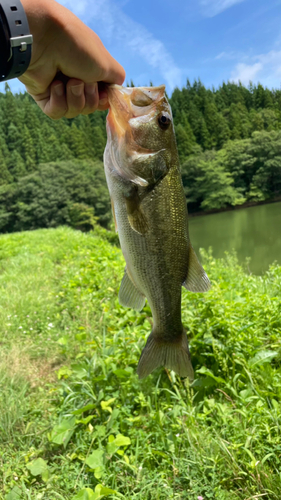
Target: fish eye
[(164, 121)]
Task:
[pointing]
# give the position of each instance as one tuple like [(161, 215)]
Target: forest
[(51, 172)]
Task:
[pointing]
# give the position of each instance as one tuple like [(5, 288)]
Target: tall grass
[(75, 421)]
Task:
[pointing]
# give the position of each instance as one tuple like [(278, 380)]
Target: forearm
[(64, 45)]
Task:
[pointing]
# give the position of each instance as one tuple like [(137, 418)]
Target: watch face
[(4, 44), (15, 41)]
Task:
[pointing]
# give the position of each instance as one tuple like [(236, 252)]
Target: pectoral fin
[(137, 218), (138, 222), (196, 280), (129, 295)]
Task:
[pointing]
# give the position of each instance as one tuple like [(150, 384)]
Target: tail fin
[(171, 354)]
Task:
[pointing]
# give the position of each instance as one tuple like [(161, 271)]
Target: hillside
[(229, 142), (73, 414)]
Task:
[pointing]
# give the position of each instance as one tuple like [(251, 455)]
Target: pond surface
[(253, 232)]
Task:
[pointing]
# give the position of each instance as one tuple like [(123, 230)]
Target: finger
[(54, 105), (91, 98), (75, 97), (114, 73), (103, 102)]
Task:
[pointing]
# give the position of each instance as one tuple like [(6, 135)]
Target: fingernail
[(59, 89), (77, 90), (90, 88), (103, 101)]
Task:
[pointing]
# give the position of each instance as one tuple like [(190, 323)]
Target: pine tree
[(5, 176)]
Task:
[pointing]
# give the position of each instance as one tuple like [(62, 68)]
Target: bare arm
[(63, 43)]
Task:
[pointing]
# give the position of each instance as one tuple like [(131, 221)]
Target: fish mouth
[(130, 102)]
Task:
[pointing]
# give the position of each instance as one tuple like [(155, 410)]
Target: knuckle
[(55, 114)]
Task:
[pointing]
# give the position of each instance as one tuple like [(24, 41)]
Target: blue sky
[(168, 41)]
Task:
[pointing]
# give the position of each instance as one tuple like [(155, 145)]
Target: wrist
[(39, 15)]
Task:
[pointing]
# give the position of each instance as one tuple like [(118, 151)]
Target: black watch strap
[(16, 55)]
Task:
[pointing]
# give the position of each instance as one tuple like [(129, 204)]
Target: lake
[(253, 232)]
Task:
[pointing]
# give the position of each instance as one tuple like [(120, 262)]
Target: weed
[(75, 421)]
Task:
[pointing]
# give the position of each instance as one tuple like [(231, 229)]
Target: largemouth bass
[(149, 208)]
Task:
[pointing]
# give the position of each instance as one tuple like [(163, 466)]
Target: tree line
[(229, 143)]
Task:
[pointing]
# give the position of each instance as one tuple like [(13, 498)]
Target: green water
[(253, 232)]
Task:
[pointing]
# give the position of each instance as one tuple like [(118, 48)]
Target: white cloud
[(211, 8), (226, 56), (118, 27), (265, 68), (245, 72)]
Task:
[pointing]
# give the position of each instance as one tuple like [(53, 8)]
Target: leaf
[(205, 382), (80, 370), (103, 490), (114, 444), (86, 420), (111, 448), (209, 373), (122, 440), (275, 404), (64, 372), (38, 467), (85, 494), (14, 494), (100, 430), (62, 433), (95, 460), (88, 494), (85, 408), (262, 357), (99, 472), (106, 404), (45, 476), (63, 340), (123, 373)]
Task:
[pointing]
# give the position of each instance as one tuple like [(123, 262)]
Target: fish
[(150, 213)]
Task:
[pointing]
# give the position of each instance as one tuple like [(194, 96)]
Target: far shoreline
[(247, 204)]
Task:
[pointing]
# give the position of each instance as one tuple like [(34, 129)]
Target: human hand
[(69, 63)]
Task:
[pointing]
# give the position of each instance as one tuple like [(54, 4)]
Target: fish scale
[(149, 207)]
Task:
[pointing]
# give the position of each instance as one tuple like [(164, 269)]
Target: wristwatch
[(15, 40)]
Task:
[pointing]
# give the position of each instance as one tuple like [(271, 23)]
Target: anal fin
[(196, 280), (129, 295)]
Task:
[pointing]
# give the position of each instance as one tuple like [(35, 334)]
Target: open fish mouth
[(127, 103)]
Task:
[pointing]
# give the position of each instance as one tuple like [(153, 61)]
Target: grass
[(75, 421)]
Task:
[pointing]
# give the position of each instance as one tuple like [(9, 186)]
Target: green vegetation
[(75, 421), (57, 193), (229, 142)]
